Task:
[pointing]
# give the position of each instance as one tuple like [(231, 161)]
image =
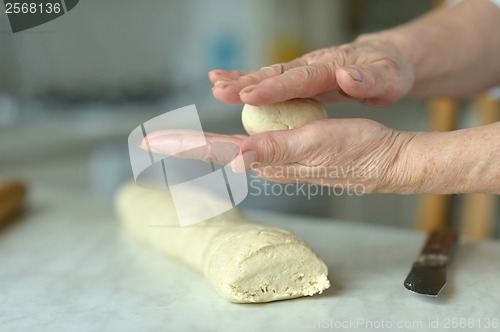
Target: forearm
[(461, 161), (454, 51)]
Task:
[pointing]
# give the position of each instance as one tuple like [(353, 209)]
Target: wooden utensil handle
[(440, 242), (12, 196)]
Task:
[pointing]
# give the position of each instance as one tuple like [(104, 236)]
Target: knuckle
[(279, 68), (320, 55), (342, 53), (390, 65), (332, 57), (304, 73), (309, 72), (276, 69), (346, 49), (295, 82), (274, 152), (311, 79)]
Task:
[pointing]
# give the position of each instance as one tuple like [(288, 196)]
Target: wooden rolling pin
[(12, 197)]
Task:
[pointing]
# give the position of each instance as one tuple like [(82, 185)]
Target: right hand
[(348, 153), (370, 70)]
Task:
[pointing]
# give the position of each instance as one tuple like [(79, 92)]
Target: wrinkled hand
[(332, 152), (370, 70)]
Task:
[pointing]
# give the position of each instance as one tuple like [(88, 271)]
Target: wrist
[(400, 176), (417, 169), (447, 163)]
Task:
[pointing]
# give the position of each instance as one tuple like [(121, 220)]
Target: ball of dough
[(288, 114)]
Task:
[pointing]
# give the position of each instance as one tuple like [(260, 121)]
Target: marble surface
[(68, 266)]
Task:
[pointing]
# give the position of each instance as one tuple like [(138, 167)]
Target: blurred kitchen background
[(72, 89)]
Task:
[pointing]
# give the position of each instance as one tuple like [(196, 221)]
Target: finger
[(218, 148), (159, 133), (276, 147), (229, 91), (266, 72), (376, 84), (187, 132), (218, 74), (173, 143), (300, 82)]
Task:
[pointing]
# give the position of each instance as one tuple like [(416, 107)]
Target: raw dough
[(244, 261), (289, 114)]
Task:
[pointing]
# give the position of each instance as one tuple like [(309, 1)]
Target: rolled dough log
[(288, 114), (244, 261)]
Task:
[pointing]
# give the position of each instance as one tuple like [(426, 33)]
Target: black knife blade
[(429, 273)]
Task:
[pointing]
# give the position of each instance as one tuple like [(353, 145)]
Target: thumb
[(273, 148), (376, 84)]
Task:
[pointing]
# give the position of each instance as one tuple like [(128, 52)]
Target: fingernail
[(355, 74), (146, 143), (248, 89), (221, 84), (215, 71)]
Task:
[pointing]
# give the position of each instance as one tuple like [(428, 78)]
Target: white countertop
[(67, 266)]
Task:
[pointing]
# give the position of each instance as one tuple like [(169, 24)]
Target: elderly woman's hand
[(371, 70), (357, 154)]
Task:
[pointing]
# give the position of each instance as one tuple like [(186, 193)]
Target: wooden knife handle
[(12, 196), (440, 242)]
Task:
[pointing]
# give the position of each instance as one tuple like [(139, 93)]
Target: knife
[(428, 273)]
